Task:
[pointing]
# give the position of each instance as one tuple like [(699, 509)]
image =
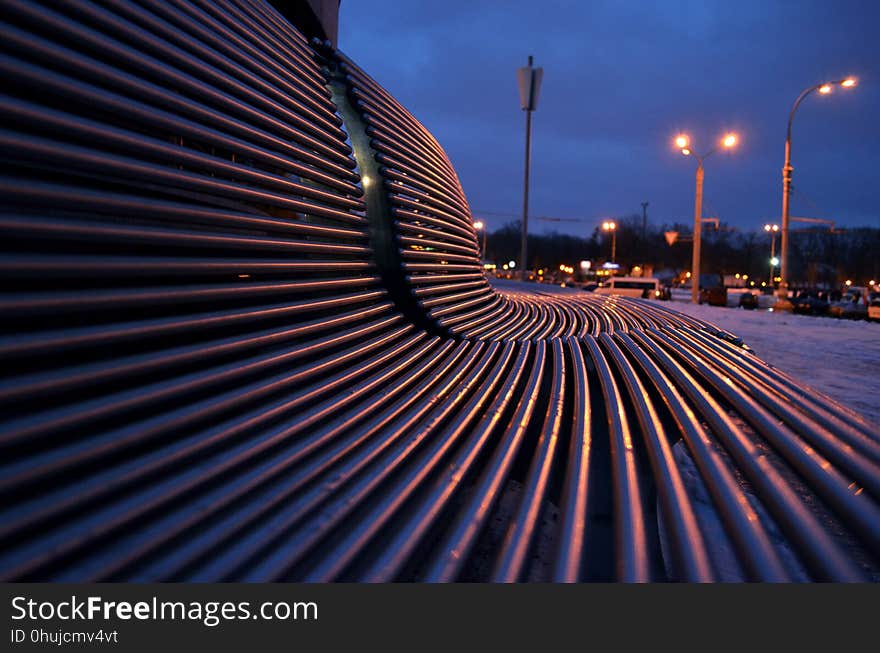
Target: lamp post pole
[(782, 291), (529, 80), (524, 242), (772, 229), (683, 143), (772, 257), (698, 232), (611, 225), (479, 225), (824, 89)]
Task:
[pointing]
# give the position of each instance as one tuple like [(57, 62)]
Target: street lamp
[(682, 142), (529, 81), (824, 88), (610, 225), (772, 229), (479, 226)]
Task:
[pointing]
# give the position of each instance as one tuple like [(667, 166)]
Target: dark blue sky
[(620, 79)]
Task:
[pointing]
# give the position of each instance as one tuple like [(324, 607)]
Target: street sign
[(671, 237), (529, 80)]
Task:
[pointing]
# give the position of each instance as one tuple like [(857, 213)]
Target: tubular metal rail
[(245, 336)]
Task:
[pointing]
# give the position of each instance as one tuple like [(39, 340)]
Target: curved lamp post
[(824, 88), (683, 143)]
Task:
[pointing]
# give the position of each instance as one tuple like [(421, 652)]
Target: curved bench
[(246, 335)]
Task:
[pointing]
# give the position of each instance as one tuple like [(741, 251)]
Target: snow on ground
[(840, 358)]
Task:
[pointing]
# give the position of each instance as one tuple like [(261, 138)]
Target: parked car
[(810, 302), (850, 306), (748, 301), (874, 306), (712, 290)]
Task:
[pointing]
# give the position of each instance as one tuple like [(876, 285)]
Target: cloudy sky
[(620, 80)]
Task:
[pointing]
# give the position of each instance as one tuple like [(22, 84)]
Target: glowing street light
[(682, 141), (772, 229), (479, 226), (824, 88), (610, 225)]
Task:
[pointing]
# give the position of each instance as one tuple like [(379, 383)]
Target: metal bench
[(246, 336)]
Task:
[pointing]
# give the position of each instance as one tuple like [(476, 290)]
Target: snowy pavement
[(840, 358)]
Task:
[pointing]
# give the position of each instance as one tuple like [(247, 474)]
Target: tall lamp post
[(683, 143), (610, 225), (772, 229), (529, 80), (479, 226), (824, 89)]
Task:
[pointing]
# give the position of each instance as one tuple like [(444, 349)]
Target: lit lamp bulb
[(825, 89), (729, 140), (849, 82)]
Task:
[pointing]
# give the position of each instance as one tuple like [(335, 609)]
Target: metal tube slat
[(246, 335)]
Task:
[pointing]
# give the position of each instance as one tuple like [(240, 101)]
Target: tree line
[(816, 256)]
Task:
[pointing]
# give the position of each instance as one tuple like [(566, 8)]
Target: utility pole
[(644, 221), (529, 80)]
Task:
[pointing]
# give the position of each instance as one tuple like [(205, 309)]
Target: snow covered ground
[(838, 357)]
